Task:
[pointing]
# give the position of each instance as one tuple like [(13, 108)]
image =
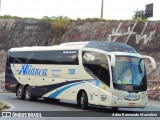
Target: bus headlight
[(145, 98), (115, 97)]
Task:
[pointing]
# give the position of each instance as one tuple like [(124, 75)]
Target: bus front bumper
[(129, 104)]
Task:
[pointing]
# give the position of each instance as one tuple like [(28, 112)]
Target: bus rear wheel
[(28, 94), (20, 92), (84, 101)]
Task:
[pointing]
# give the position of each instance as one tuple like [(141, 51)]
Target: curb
[(3, 106)]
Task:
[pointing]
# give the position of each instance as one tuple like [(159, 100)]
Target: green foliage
[(48, 19), (16, 17), (93, 19), (1, 105), (61, 22), (100, 19), (139, 15), (31, 18), (9, 17)]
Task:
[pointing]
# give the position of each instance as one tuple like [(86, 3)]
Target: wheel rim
[(19, 92), (27, 94), (81, 100)]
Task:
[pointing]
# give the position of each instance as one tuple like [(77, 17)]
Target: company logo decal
[(56, 72), (103, 97), (132, 96), (27, 69), (97, 82), (71, 71), (69, 52)]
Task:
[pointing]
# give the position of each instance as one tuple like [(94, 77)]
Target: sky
[(113, 9)]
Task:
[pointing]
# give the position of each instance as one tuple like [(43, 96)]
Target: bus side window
[(97, 63), (21, 57)]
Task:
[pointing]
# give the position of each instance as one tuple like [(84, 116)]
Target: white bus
[(91, 73)]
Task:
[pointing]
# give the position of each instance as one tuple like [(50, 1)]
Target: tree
[(139, 15)]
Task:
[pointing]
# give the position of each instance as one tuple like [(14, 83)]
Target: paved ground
[(154, 104), (68, 107)]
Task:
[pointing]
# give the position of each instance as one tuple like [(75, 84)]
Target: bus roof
[(111, 46), (102, 45), (46, 48)]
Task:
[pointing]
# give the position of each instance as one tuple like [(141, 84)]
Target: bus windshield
[(129, 74)]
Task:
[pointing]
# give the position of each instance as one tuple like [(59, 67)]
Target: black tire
[(84, 101), (20, 92), (79, 102), (79, 99), (27, 94)]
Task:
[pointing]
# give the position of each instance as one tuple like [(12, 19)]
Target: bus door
[(96, 64), (104, 78)]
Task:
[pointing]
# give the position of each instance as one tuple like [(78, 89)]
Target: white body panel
[(50, 74)]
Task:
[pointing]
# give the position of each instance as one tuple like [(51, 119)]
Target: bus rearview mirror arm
[(153, 62), (113, 60)]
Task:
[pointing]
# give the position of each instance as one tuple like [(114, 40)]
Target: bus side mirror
[(113, 60), (153, 62)]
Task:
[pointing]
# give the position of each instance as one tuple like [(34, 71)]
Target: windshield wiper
[(128, 85), (135, 88), (134, 91)]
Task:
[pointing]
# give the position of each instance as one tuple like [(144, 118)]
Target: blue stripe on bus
[(55, 94)]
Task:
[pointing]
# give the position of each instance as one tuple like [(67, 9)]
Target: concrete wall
[(143, 36), (17, 33)]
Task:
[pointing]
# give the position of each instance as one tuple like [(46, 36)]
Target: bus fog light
[(115, 97)]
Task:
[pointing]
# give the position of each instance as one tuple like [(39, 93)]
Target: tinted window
[(96, 64), (19, 57), (45, 57), (129, 74)]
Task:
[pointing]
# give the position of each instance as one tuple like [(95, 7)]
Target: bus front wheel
[(20, 92), (84, 101)]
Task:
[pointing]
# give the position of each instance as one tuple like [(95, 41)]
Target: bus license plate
[(132, 104)]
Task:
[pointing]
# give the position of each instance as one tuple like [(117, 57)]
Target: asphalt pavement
[(69, 107)]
